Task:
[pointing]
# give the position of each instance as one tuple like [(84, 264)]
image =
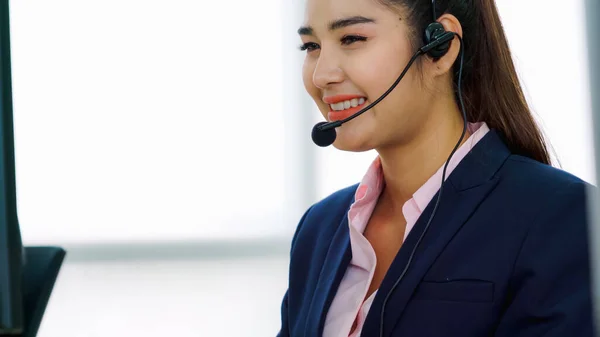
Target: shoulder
[(541, 201), (525, 198), (535, 183), (540, 172)]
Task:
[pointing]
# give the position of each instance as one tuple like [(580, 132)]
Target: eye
[(350, 39), (309, 46)]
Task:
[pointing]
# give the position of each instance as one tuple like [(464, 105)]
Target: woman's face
[(355, 50)]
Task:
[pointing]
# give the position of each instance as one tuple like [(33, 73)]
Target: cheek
[(375, 68), (395, 111), (375, 76), (383, 61), (379, 74)]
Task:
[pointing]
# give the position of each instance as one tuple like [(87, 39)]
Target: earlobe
[(445, 63)]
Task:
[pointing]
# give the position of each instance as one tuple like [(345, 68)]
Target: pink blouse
[(348, 305)]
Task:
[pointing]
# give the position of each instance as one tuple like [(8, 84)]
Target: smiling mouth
[(356, 104), (347, 104)]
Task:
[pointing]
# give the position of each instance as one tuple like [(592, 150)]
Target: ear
[(444, 64)]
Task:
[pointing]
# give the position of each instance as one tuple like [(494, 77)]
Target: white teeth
[(347, 104)]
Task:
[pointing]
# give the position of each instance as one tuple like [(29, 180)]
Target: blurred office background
[(166, 146)]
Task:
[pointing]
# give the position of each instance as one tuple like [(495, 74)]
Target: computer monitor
[(27, 274)]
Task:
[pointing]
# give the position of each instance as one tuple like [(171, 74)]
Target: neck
[(408, 166)]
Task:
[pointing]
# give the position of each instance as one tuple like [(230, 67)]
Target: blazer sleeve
[(284, 330), (550, 285)]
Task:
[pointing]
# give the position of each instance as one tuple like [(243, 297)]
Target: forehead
[(320, 12)]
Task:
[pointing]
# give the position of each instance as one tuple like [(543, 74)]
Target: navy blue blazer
[(506, 255)]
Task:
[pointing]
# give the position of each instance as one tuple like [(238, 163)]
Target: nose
[(327, 71)]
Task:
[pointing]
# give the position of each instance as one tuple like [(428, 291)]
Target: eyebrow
[(337, 24)]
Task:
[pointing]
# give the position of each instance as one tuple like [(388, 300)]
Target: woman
[(503, 250)]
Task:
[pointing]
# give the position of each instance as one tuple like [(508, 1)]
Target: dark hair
[(490, 85)]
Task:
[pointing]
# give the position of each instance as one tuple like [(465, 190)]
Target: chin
[(353, 141)]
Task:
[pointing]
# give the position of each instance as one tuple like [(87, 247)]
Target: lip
[(339, 98), (339, 115)]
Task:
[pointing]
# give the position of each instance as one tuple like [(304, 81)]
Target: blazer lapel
[(471, 181), (333, 269)]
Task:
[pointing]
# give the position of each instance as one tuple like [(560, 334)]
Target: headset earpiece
[(433, 32)]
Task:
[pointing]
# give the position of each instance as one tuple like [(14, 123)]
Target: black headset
[(435, 31)]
